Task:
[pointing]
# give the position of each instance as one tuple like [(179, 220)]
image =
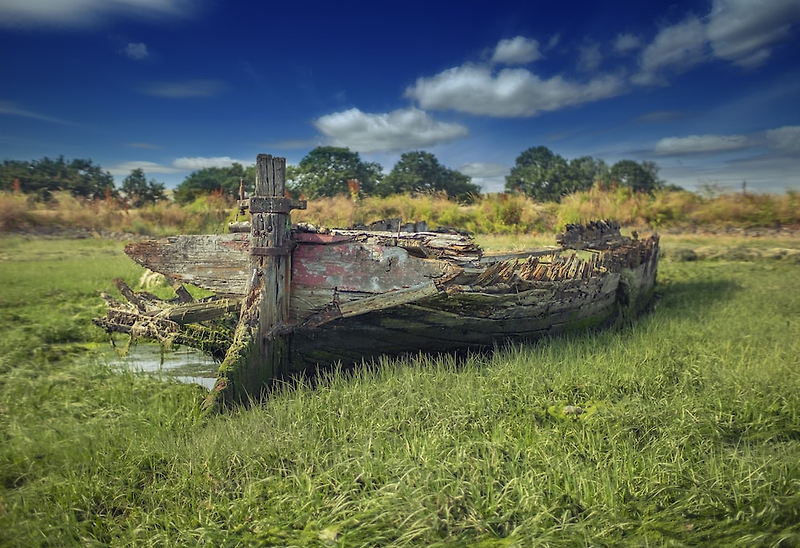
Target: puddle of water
[(184, 364)]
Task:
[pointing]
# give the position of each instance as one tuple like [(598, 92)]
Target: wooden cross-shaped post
[(260, 350)]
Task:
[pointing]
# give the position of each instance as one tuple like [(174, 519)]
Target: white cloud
[(743, 31), (398, 130), (589, 57), (12, 108), (136, 51), (178, 90), (785, 139), (516, 51), (509, 93), (763, 173), (701, 144), (148, 167), (740, 31), (490, 177), (676, 49), (83, 13), (488, 169), (200, 162), (626, 42)]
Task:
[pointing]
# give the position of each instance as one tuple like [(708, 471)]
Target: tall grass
[(689, 434), (488, 214), (208, 214)]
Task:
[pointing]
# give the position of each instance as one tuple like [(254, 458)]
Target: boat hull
[(475, 321), (355, 296)]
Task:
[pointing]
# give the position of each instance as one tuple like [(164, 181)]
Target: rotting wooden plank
[(200, 312), (321, 273), (217, 263), (382, 301), (259, 352), (418, 328), (129, 321)]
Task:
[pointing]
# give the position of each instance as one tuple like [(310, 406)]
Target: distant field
[(690, 433)]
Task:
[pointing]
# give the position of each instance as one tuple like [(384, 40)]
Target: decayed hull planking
[(474, 320), (355, 296)]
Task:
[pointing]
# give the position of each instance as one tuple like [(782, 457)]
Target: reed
[(499, 214)]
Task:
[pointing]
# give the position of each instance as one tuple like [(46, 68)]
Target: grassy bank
[(689, 436), (489, 214)]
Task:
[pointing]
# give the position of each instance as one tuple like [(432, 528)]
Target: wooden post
[(260, 349)]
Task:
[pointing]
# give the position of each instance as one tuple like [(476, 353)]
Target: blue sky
[(708, 89)]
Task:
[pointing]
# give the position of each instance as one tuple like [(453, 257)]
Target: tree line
[(80, 177), (330, 171)]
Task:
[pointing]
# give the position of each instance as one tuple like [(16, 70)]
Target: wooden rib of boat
[(344, 296)]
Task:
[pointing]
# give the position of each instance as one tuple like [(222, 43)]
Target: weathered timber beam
[(381, 301), (200, 312), (491, 259), (259, 353), (128, 293), (213, 342)]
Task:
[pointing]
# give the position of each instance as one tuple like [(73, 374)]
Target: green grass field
[(690, 433)]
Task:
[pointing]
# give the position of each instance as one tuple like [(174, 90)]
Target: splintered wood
[(169, 322)]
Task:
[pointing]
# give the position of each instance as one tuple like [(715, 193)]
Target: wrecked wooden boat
[(288, 300)]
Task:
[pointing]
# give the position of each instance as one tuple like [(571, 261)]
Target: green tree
[(541, 174), (79, 177), (89, 180), (586, 171), (325, 170), (215, 179), (140, 191), (421, 171), (639, 177)]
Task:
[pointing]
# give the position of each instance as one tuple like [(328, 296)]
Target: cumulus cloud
[(509, 93), (13, 109), (516, 51), (179, 90), (484, 169), (200, 162), (743, 31), (785, 139), (397, 130), (626, 42), (675, 49), (148, 167), (490, 177), (83, 13), (136, 51), (701, 144)]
